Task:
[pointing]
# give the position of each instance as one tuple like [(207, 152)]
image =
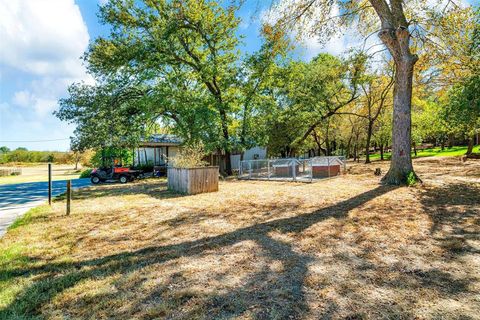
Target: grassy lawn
[(343, 248), (433, 152), (39, 172)]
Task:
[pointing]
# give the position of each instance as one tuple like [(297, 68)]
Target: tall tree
[(306, 94), (375, 94), (105, 115), (150, 40), (394, 21), (462, 110), (257, 76)]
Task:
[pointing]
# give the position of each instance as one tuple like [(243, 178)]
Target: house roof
[(162, 139)]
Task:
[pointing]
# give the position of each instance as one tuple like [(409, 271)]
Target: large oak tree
[(194, 41), (394, 21)]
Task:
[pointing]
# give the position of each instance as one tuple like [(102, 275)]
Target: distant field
[(433, 152), (39, 172)]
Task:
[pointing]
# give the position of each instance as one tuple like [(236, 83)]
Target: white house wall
[(161, 155), (250, 154)]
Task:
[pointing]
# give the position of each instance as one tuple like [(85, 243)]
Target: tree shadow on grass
[(155, 188), (455, 213), (265, 294)]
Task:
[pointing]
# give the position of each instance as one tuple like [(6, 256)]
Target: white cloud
[(43, 37), (22, 98), (40, 49), (335, 46), (305, 33)]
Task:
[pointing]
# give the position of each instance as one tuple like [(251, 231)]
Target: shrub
[(21, 155), (411, 179), (189, 156), (145, 167), (86, 173), (110, 153)]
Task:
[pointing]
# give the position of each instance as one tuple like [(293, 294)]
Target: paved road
[(16, 199)]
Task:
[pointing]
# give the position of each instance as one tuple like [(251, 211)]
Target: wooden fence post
[(49, 184), (69, 195)]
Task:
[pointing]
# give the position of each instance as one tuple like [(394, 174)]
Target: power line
[(21, 141)]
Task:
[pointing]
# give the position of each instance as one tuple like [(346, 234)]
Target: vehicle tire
[(123, 179), (95, 180)]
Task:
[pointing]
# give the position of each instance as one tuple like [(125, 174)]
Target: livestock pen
[(292, 169)]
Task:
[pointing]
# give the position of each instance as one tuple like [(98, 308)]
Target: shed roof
[(162, 139)]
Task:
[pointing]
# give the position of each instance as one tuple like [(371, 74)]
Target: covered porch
[(156, 150)]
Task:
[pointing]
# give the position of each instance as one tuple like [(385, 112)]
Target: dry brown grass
[(344, 248)]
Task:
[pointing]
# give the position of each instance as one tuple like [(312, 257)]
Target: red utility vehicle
[(116, 172)]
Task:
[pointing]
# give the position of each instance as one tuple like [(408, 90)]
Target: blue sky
[(41, 42)]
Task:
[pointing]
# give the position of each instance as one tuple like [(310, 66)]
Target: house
[(159, 147)]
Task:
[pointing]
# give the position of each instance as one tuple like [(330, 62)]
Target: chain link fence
[(292, 169)]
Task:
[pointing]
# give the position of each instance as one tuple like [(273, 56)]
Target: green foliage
[(305, 95), (187, 64), (190, 156), (26, 156), (85, 173), (145, 167), (462, 110), (107, 156), (185, 73), (105, 115), (4, 149), (428, 123), (435, 152), (176, 65), (411, 179), (31, 216)]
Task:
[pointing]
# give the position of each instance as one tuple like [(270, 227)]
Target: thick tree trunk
[(401, 163), (470, 145), (367, 144), (381, 152)]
